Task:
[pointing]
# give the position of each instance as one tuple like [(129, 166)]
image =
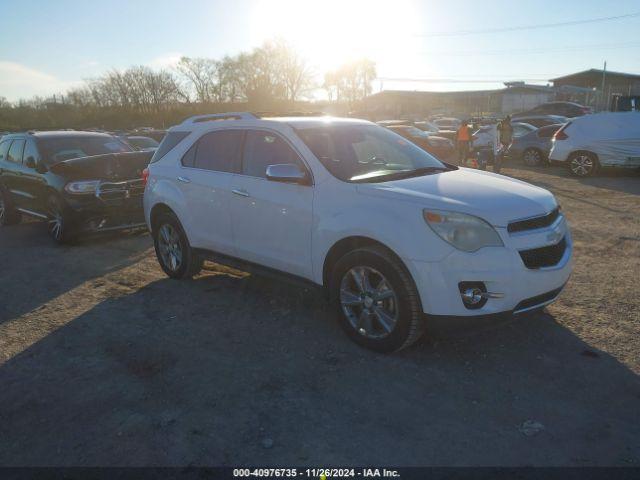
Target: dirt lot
[(104, 361)]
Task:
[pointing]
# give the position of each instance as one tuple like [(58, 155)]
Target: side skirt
[(255, 269)]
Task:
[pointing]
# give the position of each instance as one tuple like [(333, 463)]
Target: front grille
[(116, 192), (545, 256), (534, 223), (538, 300)]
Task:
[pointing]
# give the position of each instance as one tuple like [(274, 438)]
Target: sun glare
[(331, 32)]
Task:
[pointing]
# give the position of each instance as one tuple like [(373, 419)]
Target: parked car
[(427, 126), (565, 109), (447, 127), (542, 120), (588, 143), (533, 147), (157, 135), (77, 181), (487, 135), (390, 232), (140, 143), (441, 147)]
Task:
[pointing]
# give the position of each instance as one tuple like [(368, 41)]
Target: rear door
[(33, 183), (271, 220), (205, 180), (13, 175)]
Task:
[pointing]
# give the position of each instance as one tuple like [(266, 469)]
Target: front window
[(57, 149), (368, 153)]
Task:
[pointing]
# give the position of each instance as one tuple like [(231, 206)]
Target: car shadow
[(28, 283), (235, 369), (620, 180)]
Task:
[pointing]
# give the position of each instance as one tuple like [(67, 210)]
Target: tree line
[(273, 77)]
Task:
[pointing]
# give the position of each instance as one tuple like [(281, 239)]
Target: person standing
[(505, 137), (463, 138)]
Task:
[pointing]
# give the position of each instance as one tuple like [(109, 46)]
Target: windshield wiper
[(405, 174)]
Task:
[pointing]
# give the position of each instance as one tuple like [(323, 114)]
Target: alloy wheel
[(169, 247), (582, 165), (532, 158), (55, 222), (369, 302)]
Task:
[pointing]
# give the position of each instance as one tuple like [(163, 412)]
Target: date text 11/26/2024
[(319, 473)]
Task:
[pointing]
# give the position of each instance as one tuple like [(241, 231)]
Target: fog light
[(472, 294)]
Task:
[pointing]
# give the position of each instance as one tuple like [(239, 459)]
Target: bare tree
[(352, 81)]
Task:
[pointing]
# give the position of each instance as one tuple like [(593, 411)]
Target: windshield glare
[(56, 150), (365, 152)]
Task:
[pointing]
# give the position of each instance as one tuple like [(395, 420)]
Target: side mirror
[(30, 162), (288, 173)]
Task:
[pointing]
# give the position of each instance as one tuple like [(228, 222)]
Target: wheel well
[(156, 211), (344, 246)]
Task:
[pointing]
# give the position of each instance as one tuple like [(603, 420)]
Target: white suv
[(390, 232)]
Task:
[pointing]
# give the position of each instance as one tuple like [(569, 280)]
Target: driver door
[(271, 220)]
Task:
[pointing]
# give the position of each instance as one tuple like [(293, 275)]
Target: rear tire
[(8, 214), (376, 300), (175, 256), (583, 164)]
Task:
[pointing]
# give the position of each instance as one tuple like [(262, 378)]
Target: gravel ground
[(104, 361)]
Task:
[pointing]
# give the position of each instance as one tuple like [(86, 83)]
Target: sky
[(49, 46)]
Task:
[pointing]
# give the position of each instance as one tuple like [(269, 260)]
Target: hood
[(494, 198), (111, 166)]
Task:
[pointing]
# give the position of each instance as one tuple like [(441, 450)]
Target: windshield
[(57, 149), (368, 153)]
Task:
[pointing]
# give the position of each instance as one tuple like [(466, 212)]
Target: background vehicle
[(323, 200), (441, 147), (565, 109), (140, 143), (542, 120), (156, 134), (76, 181), (447, 127), (600, 140), (486, 135), (533, 147)]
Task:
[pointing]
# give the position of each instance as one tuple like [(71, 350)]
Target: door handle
[(242, 193), (184, 180)]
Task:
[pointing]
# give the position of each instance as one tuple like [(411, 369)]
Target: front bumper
[(94, 215), (501, 269)]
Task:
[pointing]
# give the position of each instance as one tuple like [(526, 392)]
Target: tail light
[(560, 134), (145, 176)]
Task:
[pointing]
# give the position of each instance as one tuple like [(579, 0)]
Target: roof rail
[(216, 117)]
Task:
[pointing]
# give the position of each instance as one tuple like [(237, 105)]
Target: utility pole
[(604, 74)]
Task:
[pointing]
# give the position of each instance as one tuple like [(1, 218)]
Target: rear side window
[(219, 151), (170, 140), (4, 149), (547, 132), (15, 152), (263, 149)]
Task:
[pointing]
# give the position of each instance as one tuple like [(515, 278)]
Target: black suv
[(76, 181)]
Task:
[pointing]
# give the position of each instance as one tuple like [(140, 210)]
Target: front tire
[(176, 257), (59, 224), (376, 299), (8, 214), (583, 164)]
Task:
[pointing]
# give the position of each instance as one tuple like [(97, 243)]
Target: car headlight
[(465, 232), (82, 187)]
